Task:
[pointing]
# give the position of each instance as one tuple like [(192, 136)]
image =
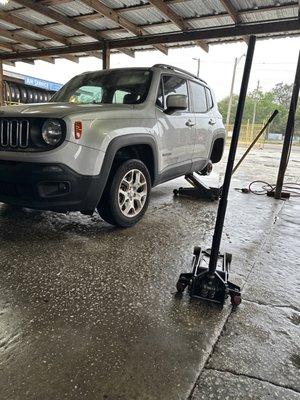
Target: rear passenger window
[(210, 102), (199, 98), (174, 85)]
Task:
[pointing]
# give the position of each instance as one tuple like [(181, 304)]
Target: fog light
[(52, 189)]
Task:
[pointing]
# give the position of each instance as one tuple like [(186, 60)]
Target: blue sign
[(40, 83)]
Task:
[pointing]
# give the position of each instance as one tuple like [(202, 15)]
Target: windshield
[(128, 86)]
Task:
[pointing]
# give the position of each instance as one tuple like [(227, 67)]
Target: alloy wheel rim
[(132, 193)]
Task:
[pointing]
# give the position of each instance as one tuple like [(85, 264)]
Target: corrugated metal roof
[(196, 14), (144, 16), (197, 8)]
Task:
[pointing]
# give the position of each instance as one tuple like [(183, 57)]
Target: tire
[(127, 194)]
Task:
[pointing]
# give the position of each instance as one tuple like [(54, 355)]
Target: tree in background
[(277, 98)]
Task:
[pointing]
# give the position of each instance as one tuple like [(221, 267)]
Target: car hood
[(58, 110)]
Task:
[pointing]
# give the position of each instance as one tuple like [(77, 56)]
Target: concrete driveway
[(88, 311)]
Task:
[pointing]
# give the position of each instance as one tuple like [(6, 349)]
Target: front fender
[(110, 152)]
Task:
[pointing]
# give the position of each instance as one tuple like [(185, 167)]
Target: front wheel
[(127, 194)]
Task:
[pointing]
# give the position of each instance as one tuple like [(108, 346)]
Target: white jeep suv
[(105, 139)]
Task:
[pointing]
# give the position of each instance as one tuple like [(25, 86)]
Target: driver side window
[(170, 84)]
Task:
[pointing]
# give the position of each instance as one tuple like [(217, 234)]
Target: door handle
[(190, 123), (211, 121)]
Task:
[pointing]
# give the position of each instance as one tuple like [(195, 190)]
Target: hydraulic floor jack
[(198, 190), (210, 269), (210, 285)]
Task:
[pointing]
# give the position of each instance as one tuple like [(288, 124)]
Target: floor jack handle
[(230, 163), (255, 140)]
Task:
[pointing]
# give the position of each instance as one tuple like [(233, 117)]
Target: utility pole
[(198, 66), (254, 109), (236, 61)]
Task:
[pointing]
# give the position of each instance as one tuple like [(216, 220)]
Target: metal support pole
[(1, 84), (289, 132), (233, 146), (106, 57)]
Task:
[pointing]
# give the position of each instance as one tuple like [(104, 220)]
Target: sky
[(274, 61)]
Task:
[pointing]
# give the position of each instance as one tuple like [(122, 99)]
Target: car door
[(177, 130), (215, 118), (203, 136)]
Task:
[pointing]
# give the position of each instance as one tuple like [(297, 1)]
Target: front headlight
[(52, 132)]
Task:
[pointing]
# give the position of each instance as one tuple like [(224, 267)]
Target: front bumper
[(46, 186)]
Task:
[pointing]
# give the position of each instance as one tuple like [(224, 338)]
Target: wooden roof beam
[(7, 47), (19, 38), (176, 19), (113, 15), (291, 25), (40, 31), (10, 63), (71, 57), (169, 13), (64, 19), (231, 10), (50, 60), (234, 14), (12, 19)]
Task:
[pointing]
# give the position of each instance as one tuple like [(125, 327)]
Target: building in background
[(27, 89)]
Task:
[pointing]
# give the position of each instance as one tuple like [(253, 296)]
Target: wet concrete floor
[(88, 311)]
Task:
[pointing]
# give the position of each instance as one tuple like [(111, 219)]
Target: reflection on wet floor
[(89, 311)]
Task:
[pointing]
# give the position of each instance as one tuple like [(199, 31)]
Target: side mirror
[(176, 102)]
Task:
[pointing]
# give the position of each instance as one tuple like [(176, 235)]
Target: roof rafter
[(40, 31), (176, 19), (113, 15), (141, 6), (291, 25), (169, 13), (65, 20), (7, 46), (50, 60), (20, 38), (231, 10), (33, 28), (234, 14)]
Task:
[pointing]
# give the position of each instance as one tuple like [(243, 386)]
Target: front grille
[(14, 134)]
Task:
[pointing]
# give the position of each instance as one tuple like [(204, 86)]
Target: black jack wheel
[(197, 251), (236, 300), (180, 286)]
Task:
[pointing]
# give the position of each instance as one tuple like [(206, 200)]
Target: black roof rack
[(166, 66)]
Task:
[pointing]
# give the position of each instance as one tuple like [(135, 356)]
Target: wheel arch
[(137, 143), (217, 149)]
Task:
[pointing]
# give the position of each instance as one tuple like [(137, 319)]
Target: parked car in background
[(106, 138)]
